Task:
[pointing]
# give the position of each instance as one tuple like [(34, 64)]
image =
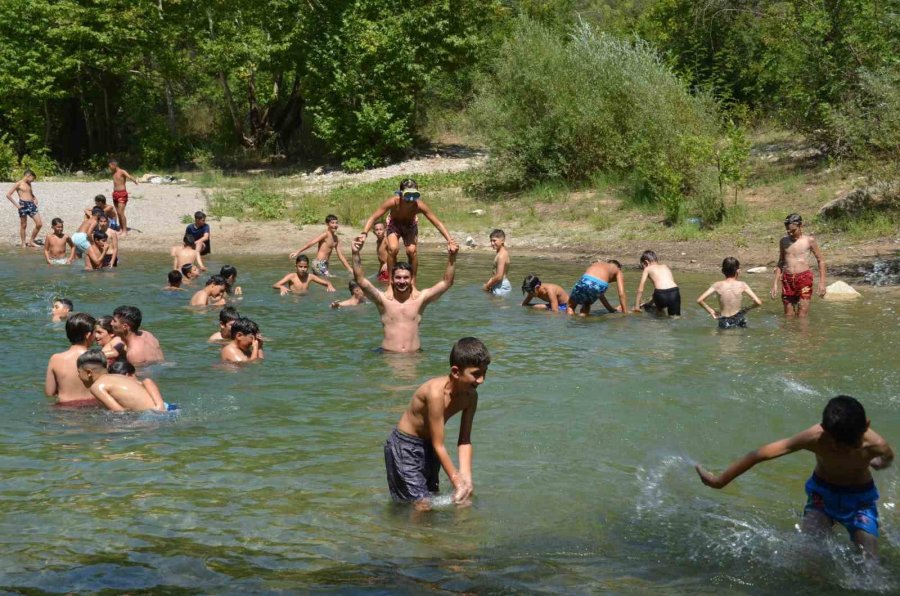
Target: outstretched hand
[(357, 244), (452, 247), (708, 478), (294, 254)]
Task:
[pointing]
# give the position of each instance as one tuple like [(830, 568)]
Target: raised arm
[(438, 289), (315, 240), (378, 214), (640, 290), (770, 451), (701, 301), (427, 212), (371, 292), (820, 260)]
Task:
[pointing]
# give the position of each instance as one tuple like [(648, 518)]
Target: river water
[(271, 478)]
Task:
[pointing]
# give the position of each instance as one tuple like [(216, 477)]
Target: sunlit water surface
[(272, 477)]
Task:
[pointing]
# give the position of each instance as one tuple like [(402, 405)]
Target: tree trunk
[(170, 109)]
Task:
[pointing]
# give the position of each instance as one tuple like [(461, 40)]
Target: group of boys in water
[(840, 490)]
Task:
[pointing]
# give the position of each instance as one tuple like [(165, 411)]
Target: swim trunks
[(27, 208), (320, 268), (796, 287), (59, 261), (738, 319), (587, 290), (504, 288), (669, 299), (383, 276), (81, 242), (170, 407), (412, 467), (408, 232), (114, 225), (107, 261), (78, 403), (120, 196), (562, 307), (851, 506)]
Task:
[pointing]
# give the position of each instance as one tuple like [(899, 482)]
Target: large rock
[(879, 197), (841, 291)]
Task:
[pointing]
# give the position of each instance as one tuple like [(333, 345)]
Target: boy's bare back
[(661, 276), (730, 293), (124, 393)]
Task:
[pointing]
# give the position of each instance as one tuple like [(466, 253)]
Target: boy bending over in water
[(56, 243), (328, 242), (498, 284), (246, 345), (593, 285), (841, 488), (666, 295), (414, 453), (730, 293), (298, 281), (555, 297), (119, 393)]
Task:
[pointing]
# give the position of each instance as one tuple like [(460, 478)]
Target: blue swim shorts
[(851, 506), (587, 290), (503, 288), (27, 208), (562, 307), (81, 242)]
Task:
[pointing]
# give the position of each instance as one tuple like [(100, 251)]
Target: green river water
[(271, 477)]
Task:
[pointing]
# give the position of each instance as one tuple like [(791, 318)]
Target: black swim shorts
[(412, 467), (668, 299)]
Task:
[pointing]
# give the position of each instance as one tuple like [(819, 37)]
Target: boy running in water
[(498, 284), (414, 453), (119, 393), (328, 242), (403, 223), (120, 193), (298, 281), (555, 297), (27, 207), (666, 296), (841, 488), (730, 292), (793, 273), (56, 243), (593, 285)]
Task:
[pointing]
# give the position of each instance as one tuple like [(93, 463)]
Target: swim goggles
[(411, 195)]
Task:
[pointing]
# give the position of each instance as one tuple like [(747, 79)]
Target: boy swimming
[(118, 393), (56, 243), (246, 345), (212, 294), (793, 274), (298, 281), (61, 309), (414, 453), (62, 380), (666, 295), (328, 241), (730, 291), (841, 488), (227, 317), (554, 296), (357, 297), (498, 284), (593, 285)]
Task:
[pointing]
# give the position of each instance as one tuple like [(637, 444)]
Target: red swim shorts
[(796, 286), (383, 275), (120, 196)]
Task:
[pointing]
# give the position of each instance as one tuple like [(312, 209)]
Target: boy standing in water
[(62, 380), (27, 207), (414, 453), (555, 297), (141, 346), (841, 488), (298, 282), (328, 241), (120, 193), (382, 251), (666, 295), (593, 285), (96, 256), (793, 273), (56, 243), (498, 284), (246, 345), (186, 254), (730, 293)]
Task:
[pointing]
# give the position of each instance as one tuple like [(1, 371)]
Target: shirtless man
[(119, 393), (328, 242), (730, 292), (82, 237), (593, 285), (62, 379), (141, 347), (666, 295), (213, 294), (186, 254), (56, 243), (793, 273), (403, 223), (401, 307), (27, 207), (381, 249), (95, 257), (120, 193)]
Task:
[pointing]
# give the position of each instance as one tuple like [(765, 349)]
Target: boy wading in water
[(56, 243), (498, 284), (120, 193), (666, 295), (27, 207), (793, 273), (62, 380), (841, 488), (118, 392), (414, 453), (730, 292)]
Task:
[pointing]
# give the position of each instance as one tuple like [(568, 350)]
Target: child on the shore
[(246, 345), (730, 292), (666, 295), (414, 453), (555, 298), (227, 317), (498, 284), (199, 231), (841, 488), (328, 241), (56, 244), (175, 279), (61, 309), (27, 207), (357, 297), (298, 281), (593, 285), (186, 254), (382, 251), (212, 294), (119, 393)]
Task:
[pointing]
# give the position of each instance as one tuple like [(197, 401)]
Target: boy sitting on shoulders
[(119, 393), (554, 296), (730, 292), (414, 453), (666, 295), (246, 345)]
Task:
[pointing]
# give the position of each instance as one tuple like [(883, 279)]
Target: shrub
[(869, 122), (8, 160), (40, 163)]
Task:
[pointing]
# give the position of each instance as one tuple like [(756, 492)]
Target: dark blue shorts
[(851, 506), (412, 466), (738, 319), (27, 208)]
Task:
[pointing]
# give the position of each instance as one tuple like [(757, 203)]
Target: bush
[(869, 122), (40, 163), (553, 108), (8, 160)]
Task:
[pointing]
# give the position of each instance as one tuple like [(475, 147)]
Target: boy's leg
[(412, 254), (815, 523), (123, 221), (803, 308), (23, 223), (867, 542), (393, 248), (788, 308), (38, 224)]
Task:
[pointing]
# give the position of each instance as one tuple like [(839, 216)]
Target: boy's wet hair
[(498, 233), (100, 235), (199, 215), (100, 199), (78, 326), (530, 283), (131, 315), (469, 351), (649, 256), (227, 271), (408, 183), (378, 223), (615, 262), (65, 301), (186, 268), (330, 218), (104, 322), (227, 314), (29, 172), (245, 326), (844, 418), (302, 259), (93, 358), (402, 265), (730, 266), (175, 277), (121, 367), (98, 211), (793, 218), (55, 221), (216, 280), (352, 286), (188, 240)]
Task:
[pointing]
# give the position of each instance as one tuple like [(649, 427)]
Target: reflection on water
[(271, 477)]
